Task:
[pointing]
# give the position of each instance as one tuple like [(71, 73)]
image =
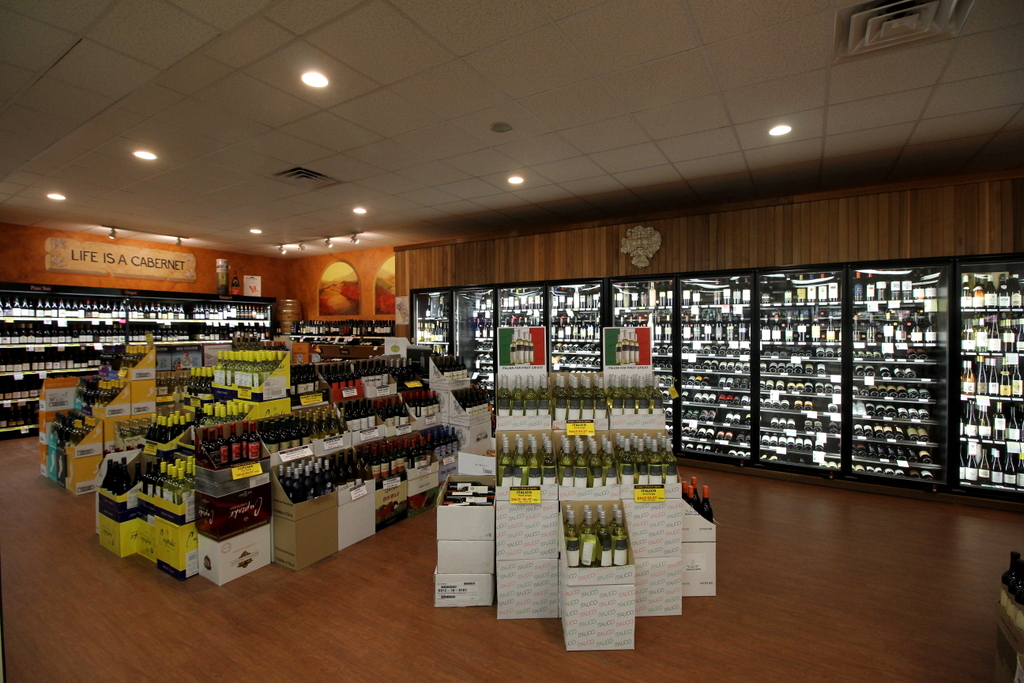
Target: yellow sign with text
[(249, 469), (579, 428), (649, 494), (310, 399), (524, 495)]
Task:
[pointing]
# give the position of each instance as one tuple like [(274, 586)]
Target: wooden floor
[(814, 584)]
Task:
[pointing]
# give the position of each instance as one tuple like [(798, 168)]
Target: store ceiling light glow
[(57, 196), (256, 231), (143, 154), (515, 180), (779, 130), (315, 79), (359, 209)]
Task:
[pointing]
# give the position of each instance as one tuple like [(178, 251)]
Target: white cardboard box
[(355, 517), (654, 420), (223, 561), (526, 531), (655, 529), (527, 589), (474, 459), (673, 490), (699, 572), (598, 617), (593, 576), (522, 423), (469, 522), (465, 557), (421, 480), (696, 529), (595, 493), (659, 586), (463, 590)]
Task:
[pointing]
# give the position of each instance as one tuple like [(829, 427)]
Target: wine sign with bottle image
[(627, 347), (521, 346)]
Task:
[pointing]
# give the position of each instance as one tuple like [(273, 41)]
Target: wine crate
[(118, 521), (476, 454), (356, 508), (594, 576), (463, 590), (526, 531), (226, 506), (391, 500), (224, 561), (527, 589), (655, 529), (305, 532), (699, 569), (659, 586), (146, 539), (598, 617), (465, 557), (143, 394), (696, 529), (423, 489), (466, 523)]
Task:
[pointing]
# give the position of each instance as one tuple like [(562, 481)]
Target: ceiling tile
[(784, 154), (440, 141), (696, 145), (94, 67), (248, 43), (721, 164), (805, 124), (604, 135), (482, 162), (1017, 122), (625, 33), (977, 93), (559, 9), (284, 69), (429, 196), (116, 171), (993, 14), (781, 96), (986, 122), (720, 19), (193, 73), (592, 186), (680, 118), (224, 14), (468, 189), (248, 97), (387, 154), (333, 132), (884, 137), (300, 16), (382, 205), (500, 180), (1006, 142), (505, 200), (50, 96), (433, 173), (347, 168), (539, 150), (772, 53), (115, 121), (723, 188), (150, 99), (211, 121), (565, 170), (30, 44), (21, 120), (154, 32), (629, 158), (524, 124), (85, 137), (934, 152), (888, 73), (532, 63), (288, 148), (654, 175), (391, 183), (380, 42), (12, 80), (877, 163), (450, 90), (987, 53), (70, 16), (680, 77), (170, 142), (574, 105), (59, 155), (466, 26), (776, 175), (241, 158), (21, 146), (386, 113), (877, 111)]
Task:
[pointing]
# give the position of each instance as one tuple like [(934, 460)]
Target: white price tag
[(813, 414), (820, 439), (18, 376), (779, 449), (872, 307), (1013, 446), (869, 380), (349, 392), (430, 419), (694, 310), (790, 432), (859, 345), (358, 492), (448, 460), (902, 347), (888, 348), (333, 442), (818, 457), (289, 454), (391, 483), (1011, 359), (835, 379), (774, 395), (903, 463), (734, 345), (692, 424), (401, 430), (42, 374), (690, 357), (893, 303), (983, 401), (368, 434)]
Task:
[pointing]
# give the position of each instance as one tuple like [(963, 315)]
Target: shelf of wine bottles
[(433, 320), (474, 334), (521, 307), (650, 304), (991, 388), (574, 327), (801, 368)]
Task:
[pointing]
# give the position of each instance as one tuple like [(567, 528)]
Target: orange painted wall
[(305, 280), (23, 253)]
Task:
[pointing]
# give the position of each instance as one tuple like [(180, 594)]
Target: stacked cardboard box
[(526, 548), (464, 575), (656, 536), (699, 551)]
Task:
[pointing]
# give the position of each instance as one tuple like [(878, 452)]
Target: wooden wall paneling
[(1016, 208)]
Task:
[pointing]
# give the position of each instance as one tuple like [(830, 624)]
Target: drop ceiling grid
[(632, 84)]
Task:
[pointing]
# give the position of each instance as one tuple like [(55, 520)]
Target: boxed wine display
[(463, 590), (527, 589), (304, 532), (233, 501), (598, 617), (224, 561), (356, 510), (391, 497), (118, 521), (464, 575), (526, 531)]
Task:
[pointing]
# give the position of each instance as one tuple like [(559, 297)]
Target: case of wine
[(598, 617), (224, 561), (466, 523), (659, 586), (463, 590), (526, 532), (476, 454), (699, 569), (656, 529), (305, 532), (527, 589), (595, 576), (227, 506), (422, 489), (356, 508), (465, 557), (391, 496), (118, 521)]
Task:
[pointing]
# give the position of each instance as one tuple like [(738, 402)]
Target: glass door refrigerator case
[(801, 368), (714, 362), (991, 389), (574, 330), (474, 333), (433, 312), (899, 372), (521, 306), (649, 303)]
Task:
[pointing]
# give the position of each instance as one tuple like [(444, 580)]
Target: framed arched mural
[(339, 290), (384, 292)]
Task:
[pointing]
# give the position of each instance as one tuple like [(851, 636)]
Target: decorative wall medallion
[(642, 243)]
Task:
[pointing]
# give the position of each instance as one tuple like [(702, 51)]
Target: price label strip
[(310, 399), (249, 469), (579, 428), (527, 495), (651, 493)]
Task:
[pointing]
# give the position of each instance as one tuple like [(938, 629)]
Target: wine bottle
[(590, 549), (572, 540)]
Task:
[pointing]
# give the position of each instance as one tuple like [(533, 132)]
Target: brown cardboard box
[(1009, 649), (304, 533)]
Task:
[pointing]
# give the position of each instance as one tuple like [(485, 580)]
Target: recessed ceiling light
[(359, 209), (779, 130), (58, 197), (501, 127), (515, 180), (317, 80), (142, 154), (256, 231)]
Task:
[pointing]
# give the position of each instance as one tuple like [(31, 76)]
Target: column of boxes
[(656, 535), (464, 575), (526, 550)]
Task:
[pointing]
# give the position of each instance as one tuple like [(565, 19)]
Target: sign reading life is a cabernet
[(96, 258)]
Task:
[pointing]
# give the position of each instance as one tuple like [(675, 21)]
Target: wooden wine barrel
[(287, 312)]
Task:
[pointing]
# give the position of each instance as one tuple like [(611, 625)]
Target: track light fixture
[(329, 243), (113, 233), (178, 241), (355, 238), (282, 249), (302, 247)]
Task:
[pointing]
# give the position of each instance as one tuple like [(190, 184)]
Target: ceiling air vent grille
[(305, 178), (869, 28)]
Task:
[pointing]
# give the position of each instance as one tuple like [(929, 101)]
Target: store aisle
[(813, 583)]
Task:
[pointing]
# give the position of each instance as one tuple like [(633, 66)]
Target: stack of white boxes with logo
[(656, 537), (526, 546), (699, 546), (464, 576)]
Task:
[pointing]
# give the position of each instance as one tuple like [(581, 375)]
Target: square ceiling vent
[(305, 178), (869, 28)]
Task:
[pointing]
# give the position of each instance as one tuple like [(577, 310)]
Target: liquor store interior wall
[(963, 216), (23, 255)]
